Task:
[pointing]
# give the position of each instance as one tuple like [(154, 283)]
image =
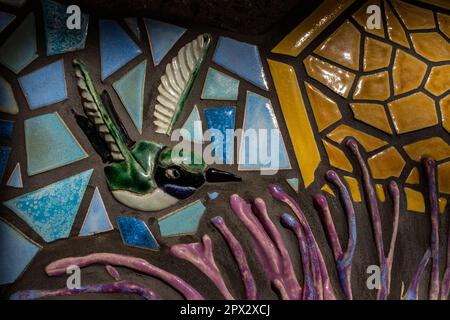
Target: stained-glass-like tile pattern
[(135, 233), (415, 18), (435, 148), (6, 130), (439, 81), (395, 29), (5, 19), (337, 157), (361, 17), (51, 210), (222, 120), (432, 46), (414, 200), (96, 220), (182, 221), (377, 54), (373, 87), (15, 179), (4, 155), (193, 130), (372, 114), (444, 177), (8, 102), (387, 163), (326, 111), (370, 143), (408, 72), (219, 86), (444, 23)]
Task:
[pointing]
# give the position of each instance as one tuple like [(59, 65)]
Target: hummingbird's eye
[(172, 173)]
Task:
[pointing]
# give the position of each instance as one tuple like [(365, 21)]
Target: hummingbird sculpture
[(145, 175)]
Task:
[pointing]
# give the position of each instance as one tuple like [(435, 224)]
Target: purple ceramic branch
[(395, 196), (113, 272), (413, 290)]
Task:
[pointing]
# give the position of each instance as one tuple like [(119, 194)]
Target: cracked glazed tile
[(337, 157), (296, 119), (445, 112), (395, 29), (408, 72), (51, 210), (414, 200), (443, 174), (413, 177), (242, 59), (372, 114), (435, 148), (387, 163), (373, 87), (8, 102), (162, 36), (130, 89), (259, 115), (97, 219), (222, 119), (5, 19), (413, 112), (4, 156), (442, 205), (414, 18), (12, 242), (444, 23), (439, 80), (184, 221), (50, 144), (116, 47), (6, 130), (369, 143), (59, 38), (293, 183), (432, 46), (193, 127), (219, 86), (326, 188), (15, 179), (20, 49), (342, 47), (135, 233), (377, 54), (361, 17), (133, 25), (353, 186), (337, 79), (42, 93), (380, 192), (326, 111)]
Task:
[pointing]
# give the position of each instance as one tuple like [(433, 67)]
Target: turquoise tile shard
[(96, 220), (15, 179), (16, 253), (220, 122), (192, 128), (42, 93), (262, 146), (51, 210), (135, 233), (213, 195), (219, 86), (242, 59), (116, 47), (6, 130), (5, 19), (183, 221), (20, 49), (4, 155), (14, 3), (133, 25), (293, 183), (162, 36), (130, 89), (59, 38), (50, 144), (8, 103)]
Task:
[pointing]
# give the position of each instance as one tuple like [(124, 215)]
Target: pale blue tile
[(96, 220), (20, 49), (135, 233), (259, 115), (222, 120), (16, 253), (182, 221), (6, 130), (193, 127), (5, 19), (130, 89), (162, 38), (51, 210), (242, 59), (41, 93), (213, 195), (219, 86), (50, 144), (133, 24), (4, 155), (8, 103), (116, 47), (15, 179), (293, 183)]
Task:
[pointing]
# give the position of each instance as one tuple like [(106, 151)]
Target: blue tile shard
[(50, 144), (130, 89), (242, 59), (20, 49), (213, 195), (41, 93), (220, 121), (219, 86), (51, 210), (6, 130), (262, 145), (59, 38), (136, 233), (4, 155), (116, 47), (96, 220), (8, 103), (183, 221), (293, 183), (15, 179), (162, 36), (133, 25), (5, 19), (16, 253), (193, 130)]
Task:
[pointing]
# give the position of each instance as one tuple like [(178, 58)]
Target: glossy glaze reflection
[(372, 114), (435, 148), (408, 72), (387, 163), (373, 87), (377, 54), (438, 82)]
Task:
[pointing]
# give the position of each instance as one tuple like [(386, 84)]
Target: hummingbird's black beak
[(214, 175)]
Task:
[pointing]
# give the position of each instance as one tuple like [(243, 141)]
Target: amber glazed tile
[(439, 80), (337, 157), (326, 188), (444, 23), (435, 148), (380, 192), (361, 17), (373, 87), (369, 143), (296, 117), (388, 163), (377, 54), (413, 112), (414, 17), (395, 29), (337, 79), (413, 177), (445, 112), (442, 205), (432, 46), (353, 186), (408, 72), (342, 46), (444, 177), (326, 111), (440, 3), (372, 114), (414, 200)]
